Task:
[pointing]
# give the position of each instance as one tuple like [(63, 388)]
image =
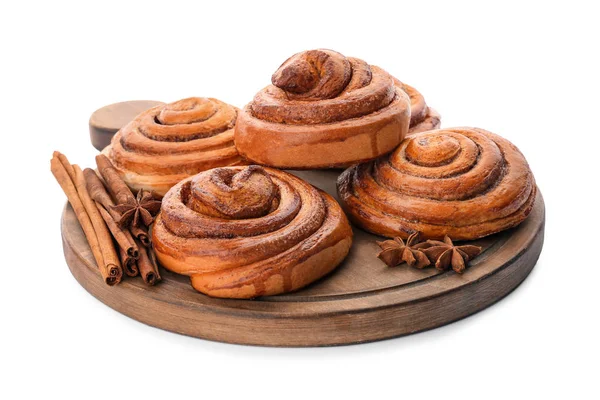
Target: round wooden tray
[(362, 300)]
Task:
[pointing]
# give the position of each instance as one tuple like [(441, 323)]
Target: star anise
[(139, 210), (395, 252), (445, 254)]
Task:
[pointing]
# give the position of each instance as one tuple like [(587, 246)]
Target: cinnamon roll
[(462, 182), (242, 232), (323, 110), (168, 143), (422, 117)]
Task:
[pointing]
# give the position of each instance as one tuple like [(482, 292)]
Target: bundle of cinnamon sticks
[(96, 200)]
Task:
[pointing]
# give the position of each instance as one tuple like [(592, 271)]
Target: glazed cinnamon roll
[(168, 143), (462, 182), (242, 232), (323, 110), (422, 117)]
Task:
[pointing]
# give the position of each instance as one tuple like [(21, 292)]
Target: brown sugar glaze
[(323, 110), (243, 232), (462, 182), (168, 143)]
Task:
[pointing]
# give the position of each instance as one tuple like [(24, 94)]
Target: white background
[(526, 71)]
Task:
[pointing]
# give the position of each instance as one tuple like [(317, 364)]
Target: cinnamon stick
[(65, 162), (120, 235), (109, 253), (96, 188), (103, 201), (129, 263), (148, 267), (141, 234), (120, 192), (116, 186), (152, 256), (61, 173), (99, 193)]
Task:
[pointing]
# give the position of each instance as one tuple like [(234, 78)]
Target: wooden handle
[(106, 121)]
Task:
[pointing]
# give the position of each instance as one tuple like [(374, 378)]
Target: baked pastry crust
[(243, 232), (168, 143), (323, 110), (462, 182), (422, 117)]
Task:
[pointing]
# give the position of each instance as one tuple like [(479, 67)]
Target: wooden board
[(106, 121), (362, 300)]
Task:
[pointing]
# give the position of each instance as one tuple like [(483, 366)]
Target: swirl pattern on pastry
[(242, 232), (462, 182), (168, 143), (323, 110), (422, 117)]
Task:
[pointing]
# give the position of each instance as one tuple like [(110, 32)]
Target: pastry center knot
[(432, 150), (313, 75), (187, 111), (232, 194)]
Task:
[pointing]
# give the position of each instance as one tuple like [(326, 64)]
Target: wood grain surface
[(363, 300), (106, 121)]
